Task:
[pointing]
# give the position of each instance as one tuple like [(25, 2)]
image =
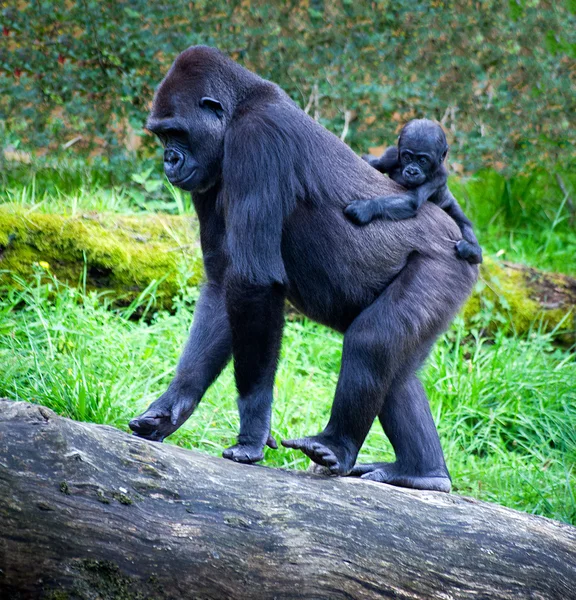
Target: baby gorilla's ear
[(444, 154)]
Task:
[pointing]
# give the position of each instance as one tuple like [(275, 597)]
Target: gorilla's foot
[(470, 252), (163, 416), (394, 474), (248, 453), (244, 453), (334, 455)]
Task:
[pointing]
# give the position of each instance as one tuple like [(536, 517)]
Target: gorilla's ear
[(214, 105), (444, 154)]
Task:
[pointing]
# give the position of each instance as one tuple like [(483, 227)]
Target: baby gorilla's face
[(422, 148), (417, 166)]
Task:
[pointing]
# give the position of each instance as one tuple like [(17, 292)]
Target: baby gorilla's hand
[(360, 212), (470, 252)]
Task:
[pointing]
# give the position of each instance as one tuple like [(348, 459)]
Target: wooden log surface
[(90, 512)]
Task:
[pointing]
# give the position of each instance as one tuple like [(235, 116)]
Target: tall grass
[(506, 407), (526, 218)]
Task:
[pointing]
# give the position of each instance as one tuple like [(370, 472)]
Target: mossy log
[(126, 254), (90, 512)]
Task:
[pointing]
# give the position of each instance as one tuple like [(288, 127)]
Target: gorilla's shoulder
[(437, 223)]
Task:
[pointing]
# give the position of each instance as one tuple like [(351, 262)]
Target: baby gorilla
[(417, 165)]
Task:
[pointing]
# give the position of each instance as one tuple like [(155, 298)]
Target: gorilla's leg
[(207, 352), (386, 342), (408, 423)]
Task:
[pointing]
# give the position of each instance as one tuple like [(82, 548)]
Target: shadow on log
[(90, 512)]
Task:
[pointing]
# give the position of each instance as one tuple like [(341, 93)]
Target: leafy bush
[(498, 75)]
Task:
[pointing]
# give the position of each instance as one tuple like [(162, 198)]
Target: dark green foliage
[(498, 75)]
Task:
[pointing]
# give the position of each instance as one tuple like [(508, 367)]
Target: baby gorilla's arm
[(467, 248), (391, 208), (385, 163)]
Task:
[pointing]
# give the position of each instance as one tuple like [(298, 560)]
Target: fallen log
[(89, 512)]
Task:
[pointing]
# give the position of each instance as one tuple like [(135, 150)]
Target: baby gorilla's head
[(422, 148)]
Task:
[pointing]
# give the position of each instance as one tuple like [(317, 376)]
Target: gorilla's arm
[(254, 201), (209, 346), (392, 208), (386, 163), (468, 248)]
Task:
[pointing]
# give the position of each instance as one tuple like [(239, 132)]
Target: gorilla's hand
[(360, 212), (469, 251), (166, 414), (163, 416)]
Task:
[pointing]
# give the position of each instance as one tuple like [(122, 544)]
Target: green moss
[(520, 296), (57, 595), (122, 498), (102, 497), (124, 254), (105, 580)]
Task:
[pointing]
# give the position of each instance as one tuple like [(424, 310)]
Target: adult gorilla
[(269, 186)]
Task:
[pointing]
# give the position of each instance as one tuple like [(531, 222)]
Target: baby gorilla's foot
[(470, 252), (359, 212), (393, 474), (163, 416), (332, 454)]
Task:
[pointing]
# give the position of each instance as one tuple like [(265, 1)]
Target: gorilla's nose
[(173, 160), (412, 171)]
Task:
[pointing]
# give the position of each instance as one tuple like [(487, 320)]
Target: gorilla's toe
[(324, 452)]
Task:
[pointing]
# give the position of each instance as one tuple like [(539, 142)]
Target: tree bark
[(90, 512)]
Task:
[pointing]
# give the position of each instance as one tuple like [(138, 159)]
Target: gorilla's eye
[(213, 105), (169, 134)]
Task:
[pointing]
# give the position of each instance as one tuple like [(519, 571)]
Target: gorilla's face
[(415, 166), (191, 127), (422, 148)]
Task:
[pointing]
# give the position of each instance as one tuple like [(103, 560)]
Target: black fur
[(418, 165), (272, 227)]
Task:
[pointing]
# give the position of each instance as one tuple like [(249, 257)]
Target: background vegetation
[(76, 80), (498, 75)]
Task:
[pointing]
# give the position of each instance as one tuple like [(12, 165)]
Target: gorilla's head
[(192, 108), (422, 148)]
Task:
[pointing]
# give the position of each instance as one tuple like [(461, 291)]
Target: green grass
[(506, 407), (528, 218), (525, 218)]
